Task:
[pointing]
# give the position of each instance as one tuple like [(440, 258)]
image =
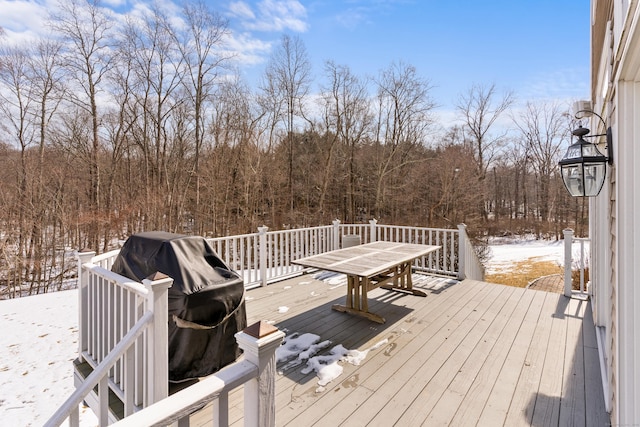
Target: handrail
[(193, 398), (256, 372), (105, 256), (71, 404), (125, 282)]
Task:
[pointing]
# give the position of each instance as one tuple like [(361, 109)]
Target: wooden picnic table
[(373, 265)]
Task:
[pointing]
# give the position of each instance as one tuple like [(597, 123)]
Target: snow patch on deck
[(298, 349)]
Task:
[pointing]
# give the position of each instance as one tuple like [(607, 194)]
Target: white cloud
[(241, 10), (447, 117), (246, 49), (114, 3), (361, 12), (558, 83), (23, 20), (21, 15), (352, 18), (271, 15)]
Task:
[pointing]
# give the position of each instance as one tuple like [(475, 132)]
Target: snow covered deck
[(469, 353)]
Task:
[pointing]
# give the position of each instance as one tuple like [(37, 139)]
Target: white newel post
[(568, 241), (259, 343), (373, 237), (262, 237), (336, 235), (462, 251), (84, 256), (158, 339)]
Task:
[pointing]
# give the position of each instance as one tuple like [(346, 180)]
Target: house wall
[(614, 218), (628, 271)]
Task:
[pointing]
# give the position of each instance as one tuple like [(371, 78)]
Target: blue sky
[(537, 49)]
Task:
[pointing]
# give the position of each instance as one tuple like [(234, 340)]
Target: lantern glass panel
[(573, 179), (590, 150), (594, 174)]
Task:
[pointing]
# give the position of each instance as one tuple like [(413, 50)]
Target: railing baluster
[(256, 258), (129, 381), (137, 366), (221, 409), (282, 249), (103, 396), (582, 266)]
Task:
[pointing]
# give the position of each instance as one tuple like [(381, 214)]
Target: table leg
[(365, 300), (402, 281), (358, 304)]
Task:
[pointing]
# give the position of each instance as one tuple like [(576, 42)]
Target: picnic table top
[(367, 260)]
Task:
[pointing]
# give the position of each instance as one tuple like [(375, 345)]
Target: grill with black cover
[(206, 301)]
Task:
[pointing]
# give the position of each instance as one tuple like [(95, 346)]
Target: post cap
[(260, 329), (157, 276)]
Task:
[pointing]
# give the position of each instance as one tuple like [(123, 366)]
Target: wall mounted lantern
[(583, 167)]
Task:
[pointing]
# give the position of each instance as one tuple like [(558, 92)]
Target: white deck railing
[(122, 341), (99, 377), (256, 372), (577, 261), (469, 265), (267, 256), (123, 324)]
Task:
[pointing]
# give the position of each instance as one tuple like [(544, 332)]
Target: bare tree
[(543, 129), (480, 108), (85, 28), (17, 111), (404, 107), (48, 90), (288, 78), (201, 49), (348, 119), (235, 161), (28, 77), (158, 67)]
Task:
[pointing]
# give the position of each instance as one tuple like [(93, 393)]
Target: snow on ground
[(505, 252), (39, 341)]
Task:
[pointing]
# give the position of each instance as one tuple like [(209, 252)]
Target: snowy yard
[(40, 341), (505, 252)]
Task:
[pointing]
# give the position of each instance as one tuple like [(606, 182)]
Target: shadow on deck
[(470, 353)]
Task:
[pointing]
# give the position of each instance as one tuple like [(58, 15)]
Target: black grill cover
[(206, 301)]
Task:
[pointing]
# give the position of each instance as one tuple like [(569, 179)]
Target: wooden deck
[(470, 353)]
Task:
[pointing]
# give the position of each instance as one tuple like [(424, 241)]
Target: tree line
[(110, 127)]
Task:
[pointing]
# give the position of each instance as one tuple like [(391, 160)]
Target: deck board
[(470, 353), (493, 351), (594, 394), (497, 406), (519, 411), (572, 406), (547, 401)]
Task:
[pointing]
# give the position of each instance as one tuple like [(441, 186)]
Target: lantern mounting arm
[(607, 134)]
